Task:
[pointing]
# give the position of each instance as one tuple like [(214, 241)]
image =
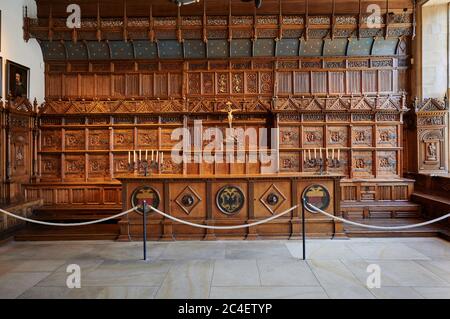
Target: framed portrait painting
[(17, 80)]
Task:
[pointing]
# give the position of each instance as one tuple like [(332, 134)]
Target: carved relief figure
[(360, 136), (432, 152), (360, 163)]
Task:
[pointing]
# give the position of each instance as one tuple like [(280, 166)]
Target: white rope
[(66, 224), (376, 227), (223, 227)]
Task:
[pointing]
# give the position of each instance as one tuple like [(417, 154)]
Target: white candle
[(153, 157), (146, 155), (129, 157), (332, 154), (320, 153), (157, 156), (309, 153), (140, 155), (134, 156), (162, 158), (315, 153), (339, 154)]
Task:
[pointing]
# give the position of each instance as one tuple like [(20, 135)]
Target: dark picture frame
[(17, 73)]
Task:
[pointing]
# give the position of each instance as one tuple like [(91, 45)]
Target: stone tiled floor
[(410, 268)]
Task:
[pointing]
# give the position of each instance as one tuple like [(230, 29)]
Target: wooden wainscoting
[(105, 194)]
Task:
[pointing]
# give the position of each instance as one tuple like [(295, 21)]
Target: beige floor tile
[(12, 285), (187, 280), (286, 273), (236, 273), (434, 292), (268, 293)]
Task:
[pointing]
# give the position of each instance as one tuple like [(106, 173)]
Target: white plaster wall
[(15, 49), (434, 50)]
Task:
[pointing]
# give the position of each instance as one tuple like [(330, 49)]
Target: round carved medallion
[(272, 199), (145, 193), (230, 200), (187, 200), (318, 196)]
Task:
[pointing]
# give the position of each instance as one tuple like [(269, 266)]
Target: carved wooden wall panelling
[(305, 77), (432, 135), (19, 136)]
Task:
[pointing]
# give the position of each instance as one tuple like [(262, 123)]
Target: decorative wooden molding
[(432, 135)]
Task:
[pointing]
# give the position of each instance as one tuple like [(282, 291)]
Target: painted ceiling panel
[(98, 50), (384, 46), (194, 49), (145, 50), (287, 47), (53, 50), (241, 48), (121, 50), (76, 51), (359, 47), (335, 47), (264, 47), (218, 48), (170, 49), (312, 47)]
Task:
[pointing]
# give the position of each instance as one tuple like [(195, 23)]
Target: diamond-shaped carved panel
[(272, 199), (188, 199)]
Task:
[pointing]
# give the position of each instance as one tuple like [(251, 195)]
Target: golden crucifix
[(230, 111)]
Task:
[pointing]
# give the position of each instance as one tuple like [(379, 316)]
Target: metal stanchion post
[(303, 231), (144, 223)]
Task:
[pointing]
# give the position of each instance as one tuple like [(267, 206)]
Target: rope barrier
[(314, 208), (154, 209), (223, 227), (66, 224)]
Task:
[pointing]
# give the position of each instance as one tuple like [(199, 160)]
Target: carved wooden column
[(432, 135)]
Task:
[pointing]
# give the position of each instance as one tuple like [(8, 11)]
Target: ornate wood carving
[(432, 134)]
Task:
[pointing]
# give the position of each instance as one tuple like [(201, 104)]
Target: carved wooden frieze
[(75, 166), (75, 139), (362, 136), (51, 140), (148, 138), (121, 164), (124, 139), (289, 137), (362, 164), (313, 136), (99, 139), (387, 163), (289, 162), (337, 136), (98, 166), (387, 136)]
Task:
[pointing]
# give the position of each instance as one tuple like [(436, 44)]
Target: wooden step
[(380, 209), (426, 231), (108, 230)]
